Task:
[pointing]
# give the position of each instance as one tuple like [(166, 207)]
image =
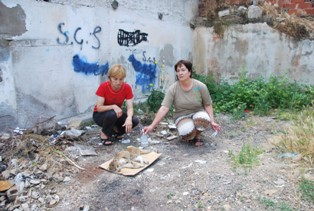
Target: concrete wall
[(255, 49), (53, 55)]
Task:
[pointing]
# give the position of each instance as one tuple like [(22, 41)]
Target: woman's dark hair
[(186, 63)]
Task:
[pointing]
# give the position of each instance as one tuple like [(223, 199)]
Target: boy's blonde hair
[(117, 71)]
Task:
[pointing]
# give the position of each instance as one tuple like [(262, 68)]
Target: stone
[(224, 13), (254, 12), (12, 193)]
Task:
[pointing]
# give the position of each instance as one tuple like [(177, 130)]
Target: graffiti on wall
[(80, 65), (145, 73), (131, 38), (149, 59), (65, 40)]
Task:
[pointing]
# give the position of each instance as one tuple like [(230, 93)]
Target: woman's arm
[(209, 109)]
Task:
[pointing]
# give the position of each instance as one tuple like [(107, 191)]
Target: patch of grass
[(307, 189), (299, 138), (200, 205), (271, 205), (268, 203), (286, 115), (170, 195), (285, 207), (247, 157)]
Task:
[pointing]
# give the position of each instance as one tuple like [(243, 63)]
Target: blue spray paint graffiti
[(145, 73), (80, 65)]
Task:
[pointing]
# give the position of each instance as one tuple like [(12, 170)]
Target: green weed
[(170, 195), (154, 100), (247, 157), (259, 96), (299, 138), (271, 205), (307, 189), (268, 203)]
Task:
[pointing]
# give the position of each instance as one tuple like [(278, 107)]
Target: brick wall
[(298, 7)]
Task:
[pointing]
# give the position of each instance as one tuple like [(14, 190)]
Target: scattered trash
[(3, 166), (5, 185), (172, 137), (5, 136), (185, 193), (19, 131), (72, 133), (172, 126), (53, 139), (200, 161), (86, 150), (12, 193), (214, 134), (188, 166), (125, 141), (144, 140), (288, 155), (84, 208)]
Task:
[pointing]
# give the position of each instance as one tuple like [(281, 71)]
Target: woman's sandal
[(106, 142), (198, 142), (118, 137)]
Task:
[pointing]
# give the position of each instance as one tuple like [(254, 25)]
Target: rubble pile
[(32, 165)]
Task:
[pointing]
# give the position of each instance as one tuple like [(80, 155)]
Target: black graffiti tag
[(149, 58), (96, 30), (78, 41), (64, 34), (131, 38)]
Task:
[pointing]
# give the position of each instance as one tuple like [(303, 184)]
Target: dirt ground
[(186, 177), (191, 178)]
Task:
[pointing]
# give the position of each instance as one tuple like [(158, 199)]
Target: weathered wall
[(255, 49), (53, 55)]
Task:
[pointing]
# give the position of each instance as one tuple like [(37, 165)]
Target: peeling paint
[(166, 55), (12, 20)]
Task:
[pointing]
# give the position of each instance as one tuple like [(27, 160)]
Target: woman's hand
[(215, 126), (148, 129), (128, 124), (118, 110)]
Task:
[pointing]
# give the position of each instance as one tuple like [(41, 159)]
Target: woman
[(192, 103), (108, 113)]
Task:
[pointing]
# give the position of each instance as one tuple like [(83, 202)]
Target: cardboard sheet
[(150, 157)]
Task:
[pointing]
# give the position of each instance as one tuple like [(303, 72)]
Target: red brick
[(305, 5), (293, 6), (296, 12), (285, 5), (310, 12)]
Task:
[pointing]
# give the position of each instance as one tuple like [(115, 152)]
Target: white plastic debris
[(214, 134)]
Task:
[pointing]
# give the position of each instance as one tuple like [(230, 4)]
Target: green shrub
[(257, 95), (154, 100)]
